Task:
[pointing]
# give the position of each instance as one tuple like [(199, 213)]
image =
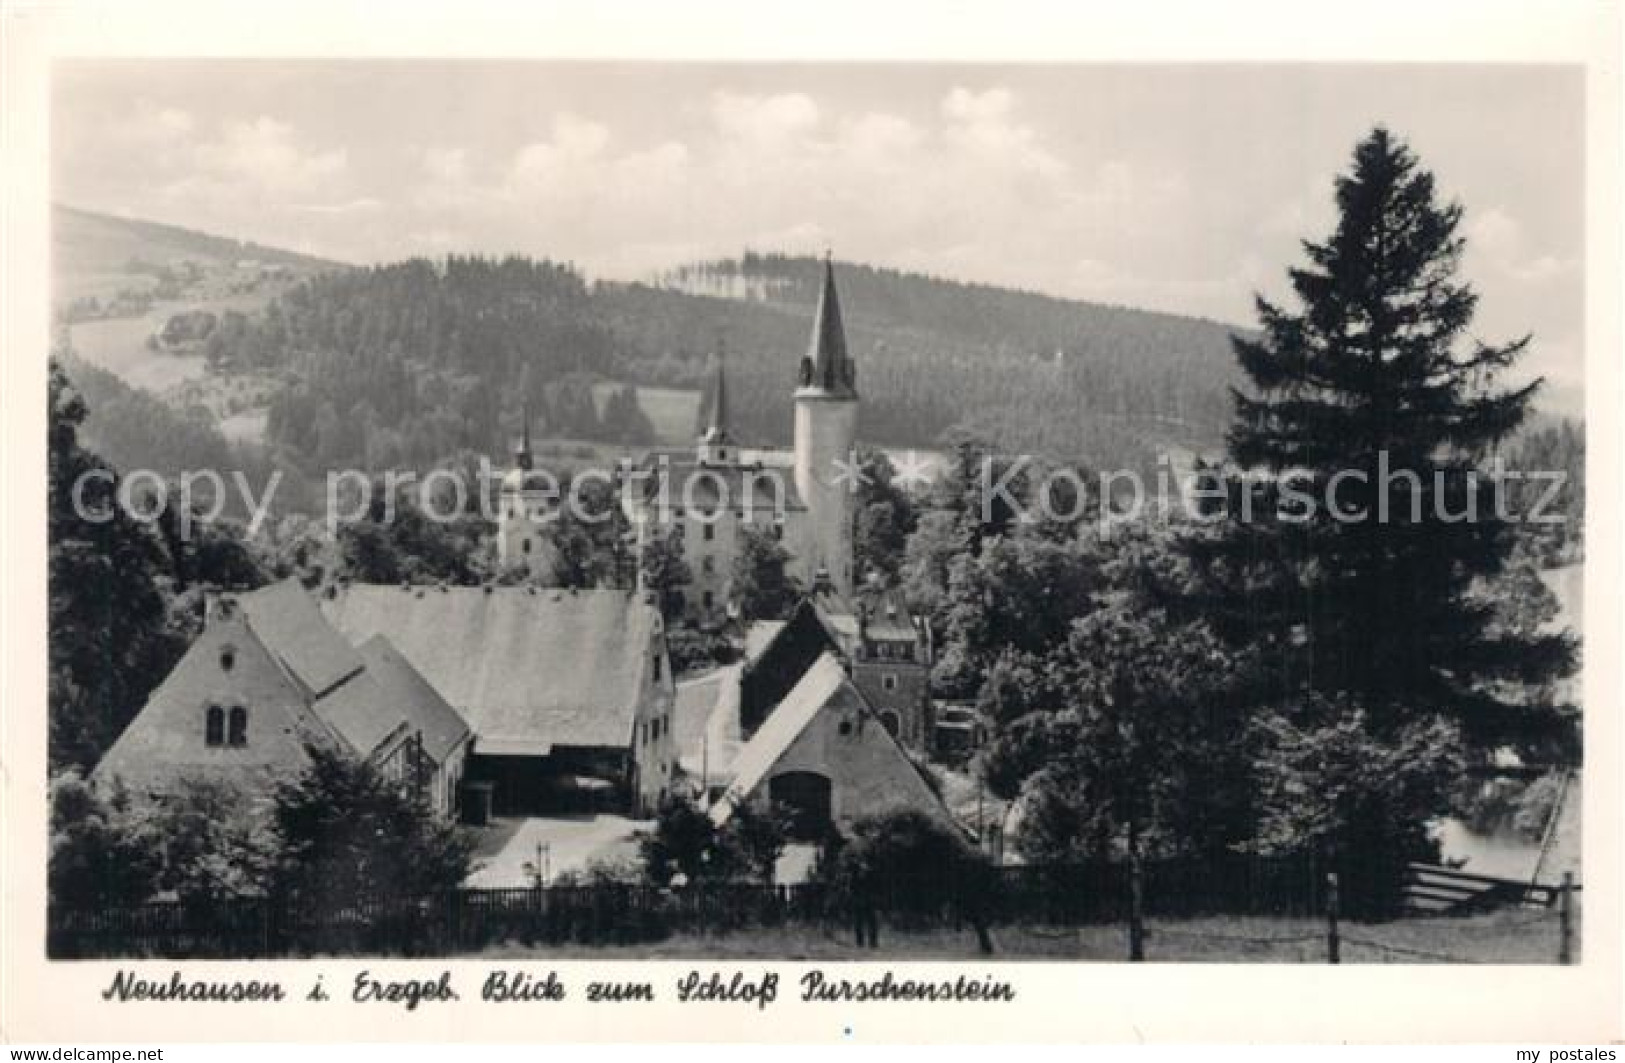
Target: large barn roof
[(285, 616), (414, 698), (528, 669)]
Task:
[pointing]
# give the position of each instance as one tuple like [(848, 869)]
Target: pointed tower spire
[(716, 427), (521, 457), (827, 366)]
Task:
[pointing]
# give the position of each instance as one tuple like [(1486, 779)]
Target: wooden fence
[(470, 919)]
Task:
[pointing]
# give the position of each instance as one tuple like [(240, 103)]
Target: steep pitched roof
[(527, 669), (361, 712), (888, 616), (782, 727), (828, 368), (716, 428), (776, 669), (759, 636), (413, 697), (228, 666), (286, 617), (826, 725), (885, 614)]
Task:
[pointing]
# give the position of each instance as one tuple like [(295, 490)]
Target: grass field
[(1519, 936), (672, 411)]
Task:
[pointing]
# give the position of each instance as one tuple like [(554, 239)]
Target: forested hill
[(411, 361), (1030, 370), (86, 239)]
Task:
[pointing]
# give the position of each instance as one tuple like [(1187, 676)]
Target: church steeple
[(827, 366), (716, 441), (716, 427), (522, 457)]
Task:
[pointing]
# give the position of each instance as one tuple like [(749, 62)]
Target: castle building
[(802, 497)]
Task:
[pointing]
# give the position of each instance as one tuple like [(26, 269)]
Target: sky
[(1184, 188)]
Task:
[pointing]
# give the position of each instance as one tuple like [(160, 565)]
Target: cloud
[(764, 120), (150, 126), (262, 153), (983, 124), (446, 165), (1496, 241), (576, 144)]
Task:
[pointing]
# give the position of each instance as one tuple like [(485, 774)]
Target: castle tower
[(825, 434), (522, 512)]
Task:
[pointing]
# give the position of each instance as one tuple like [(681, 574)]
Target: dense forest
[(402, 364)]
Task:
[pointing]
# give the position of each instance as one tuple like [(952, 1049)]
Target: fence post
[(1565, 917), (1334, 952), (1136, 910)]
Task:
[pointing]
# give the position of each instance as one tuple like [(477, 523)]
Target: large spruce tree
[(1375, 384)]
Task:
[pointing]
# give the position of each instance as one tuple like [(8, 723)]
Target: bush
[(100, 856), (686, 842), (350, 836), (915, 868), (694, 651)]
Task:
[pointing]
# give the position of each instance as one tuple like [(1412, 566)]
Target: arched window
[(214, 726), (239, 726)]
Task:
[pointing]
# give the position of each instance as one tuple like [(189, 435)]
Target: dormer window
[(214, 726), (238, 735)]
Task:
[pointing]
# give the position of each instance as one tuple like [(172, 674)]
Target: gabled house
[(790, 725), (886, 649), (229, 712), (268, 678), (824, 755)]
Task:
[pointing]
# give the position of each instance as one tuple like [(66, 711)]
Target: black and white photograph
[(1054, 512)]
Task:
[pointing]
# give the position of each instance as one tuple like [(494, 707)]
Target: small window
[(845, 728), (710, 532), (214, 726), (709, 598), (525, 546), (708, 565), (228, 658), (888, 682), (778, 532), (657, 668), (239, 726)]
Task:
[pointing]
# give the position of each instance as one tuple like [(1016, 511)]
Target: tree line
[(404, 363)]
